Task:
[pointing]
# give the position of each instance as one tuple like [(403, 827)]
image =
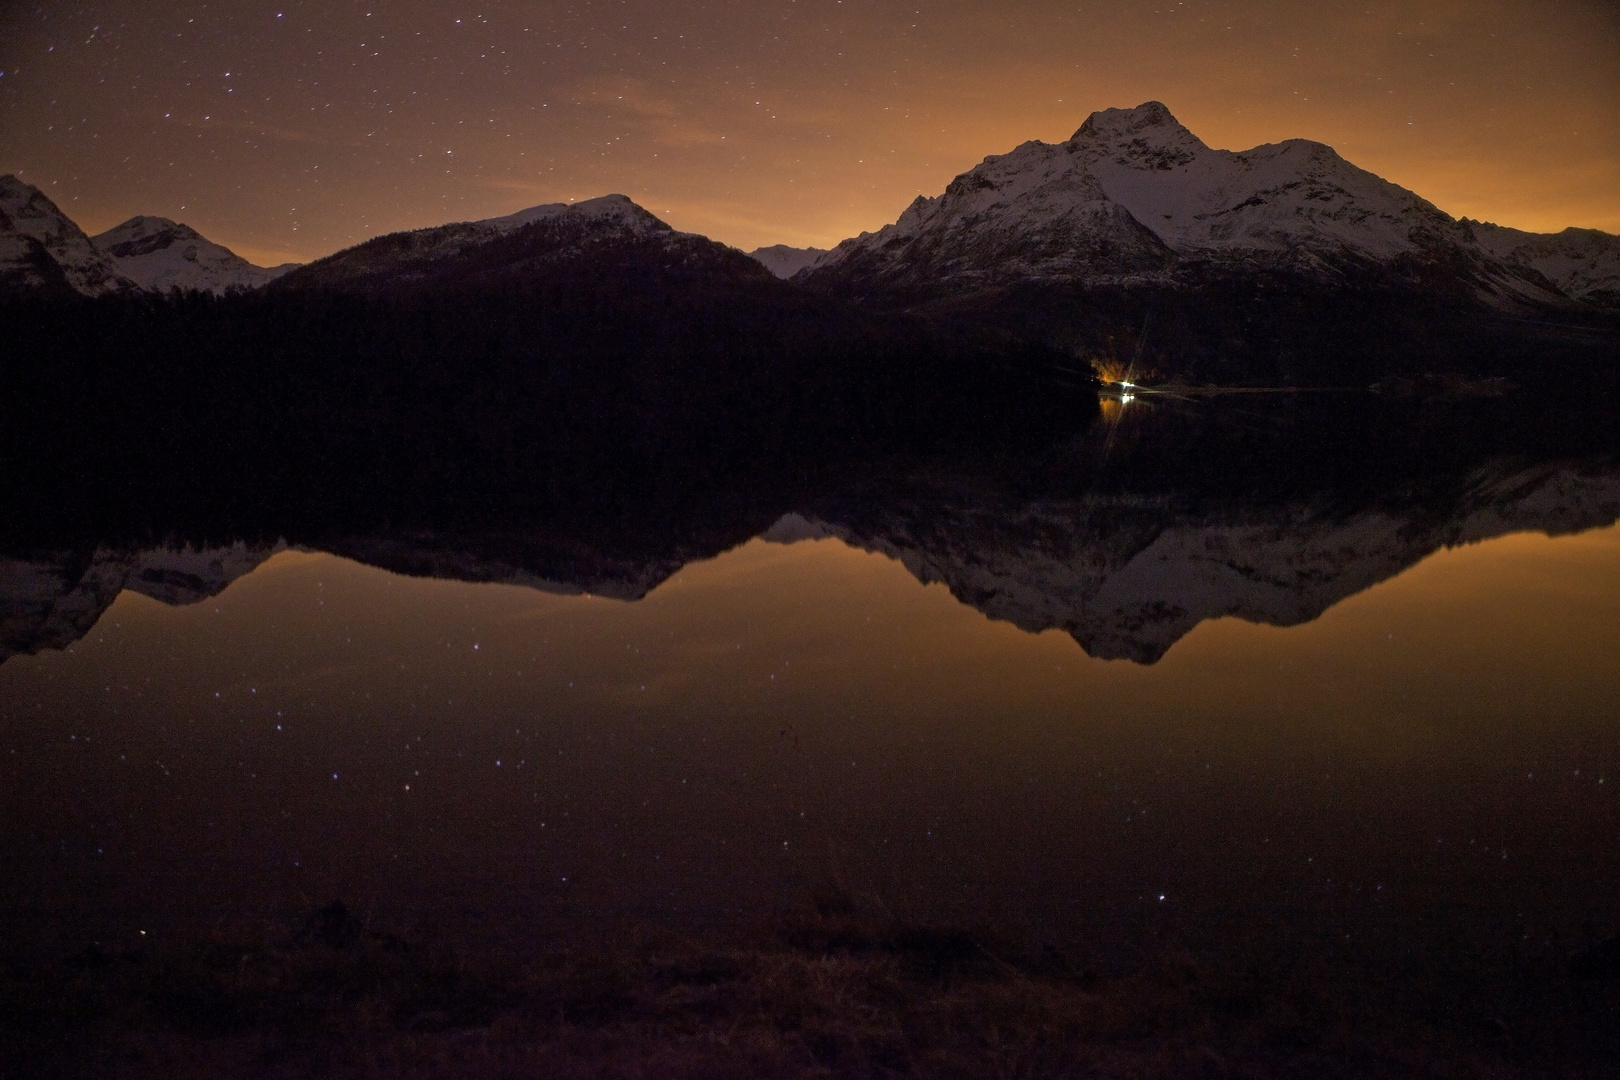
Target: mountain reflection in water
[(1126, 576), (536, 730)]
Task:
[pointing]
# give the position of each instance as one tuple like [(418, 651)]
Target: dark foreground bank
[(833, 991)]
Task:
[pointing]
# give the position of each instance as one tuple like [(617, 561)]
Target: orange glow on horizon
[(772, 123)]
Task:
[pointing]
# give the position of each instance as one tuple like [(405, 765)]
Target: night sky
[(289, 130)]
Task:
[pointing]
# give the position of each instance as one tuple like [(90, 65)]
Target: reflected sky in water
[(1437, 755)]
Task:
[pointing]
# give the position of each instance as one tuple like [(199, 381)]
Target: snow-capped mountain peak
[(1583, 264), (785, 261), (1134, 197), (537, 240), (1148, 134), (142, 234), (159, 255), (617, 210), (41, 246)]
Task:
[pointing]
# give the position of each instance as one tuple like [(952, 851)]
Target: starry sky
[(289, 129)]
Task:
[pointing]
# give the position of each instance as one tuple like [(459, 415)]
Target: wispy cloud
[(660, 119)]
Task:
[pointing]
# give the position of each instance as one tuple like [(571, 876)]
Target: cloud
[(658, 119)]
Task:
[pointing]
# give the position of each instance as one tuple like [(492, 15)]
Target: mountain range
[(596, 236), (784, 261), (158, 255), (42, 248), (1133, 199)]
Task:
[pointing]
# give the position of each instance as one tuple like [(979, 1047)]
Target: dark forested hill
[(526, 387)]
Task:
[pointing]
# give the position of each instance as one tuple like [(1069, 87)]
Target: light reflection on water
[(511, 763)]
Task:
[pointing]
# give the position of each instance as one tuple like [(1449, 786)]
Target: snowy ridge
[(1583, 264), (1295, 198), (1133, 197), (41, 247), (1127, 579), (615, 210), (784, 261), (405, 254), (158, 255)]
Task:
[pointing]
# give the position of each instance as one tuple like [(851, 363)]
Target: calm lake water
[(1320, 681), (1424, 769)]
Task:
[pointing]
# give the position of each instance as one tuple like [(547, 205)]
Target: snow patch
[(41, 246), (1134, 195), (159, 255), (784, 261)]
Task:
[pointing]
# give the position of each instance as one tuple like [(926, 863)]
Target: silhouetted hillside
[(539, 387)]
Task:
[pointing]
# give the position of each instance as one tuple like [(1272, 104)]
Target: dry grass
[(832, 993)]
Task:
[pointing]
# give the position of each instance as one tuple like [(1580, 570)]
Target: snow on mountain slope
[(41, 247), (784, 261), (1028, 214), (159, 255), (409, 254), (617, 210), (1296, 197), (1134, 197), (1583, 264)]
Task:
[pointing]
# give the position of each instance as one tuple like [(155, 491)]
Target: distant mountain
[(605, 235), (1583, 264), (1135, 199), (158, 255), (41, 247), (784, 261)]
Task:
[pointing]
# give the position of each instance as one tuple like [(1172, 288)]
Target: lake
[(1372, 725)]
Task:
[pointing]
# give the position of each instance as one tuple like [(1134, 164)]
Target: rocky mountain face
[(1131, 199), (598, 232), (1583, 264), (784, 261), (158, 255), (1134, 198), (41, 247)]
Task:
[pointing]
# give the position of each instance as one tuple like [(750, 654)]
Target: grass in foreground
[(831, 993)]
